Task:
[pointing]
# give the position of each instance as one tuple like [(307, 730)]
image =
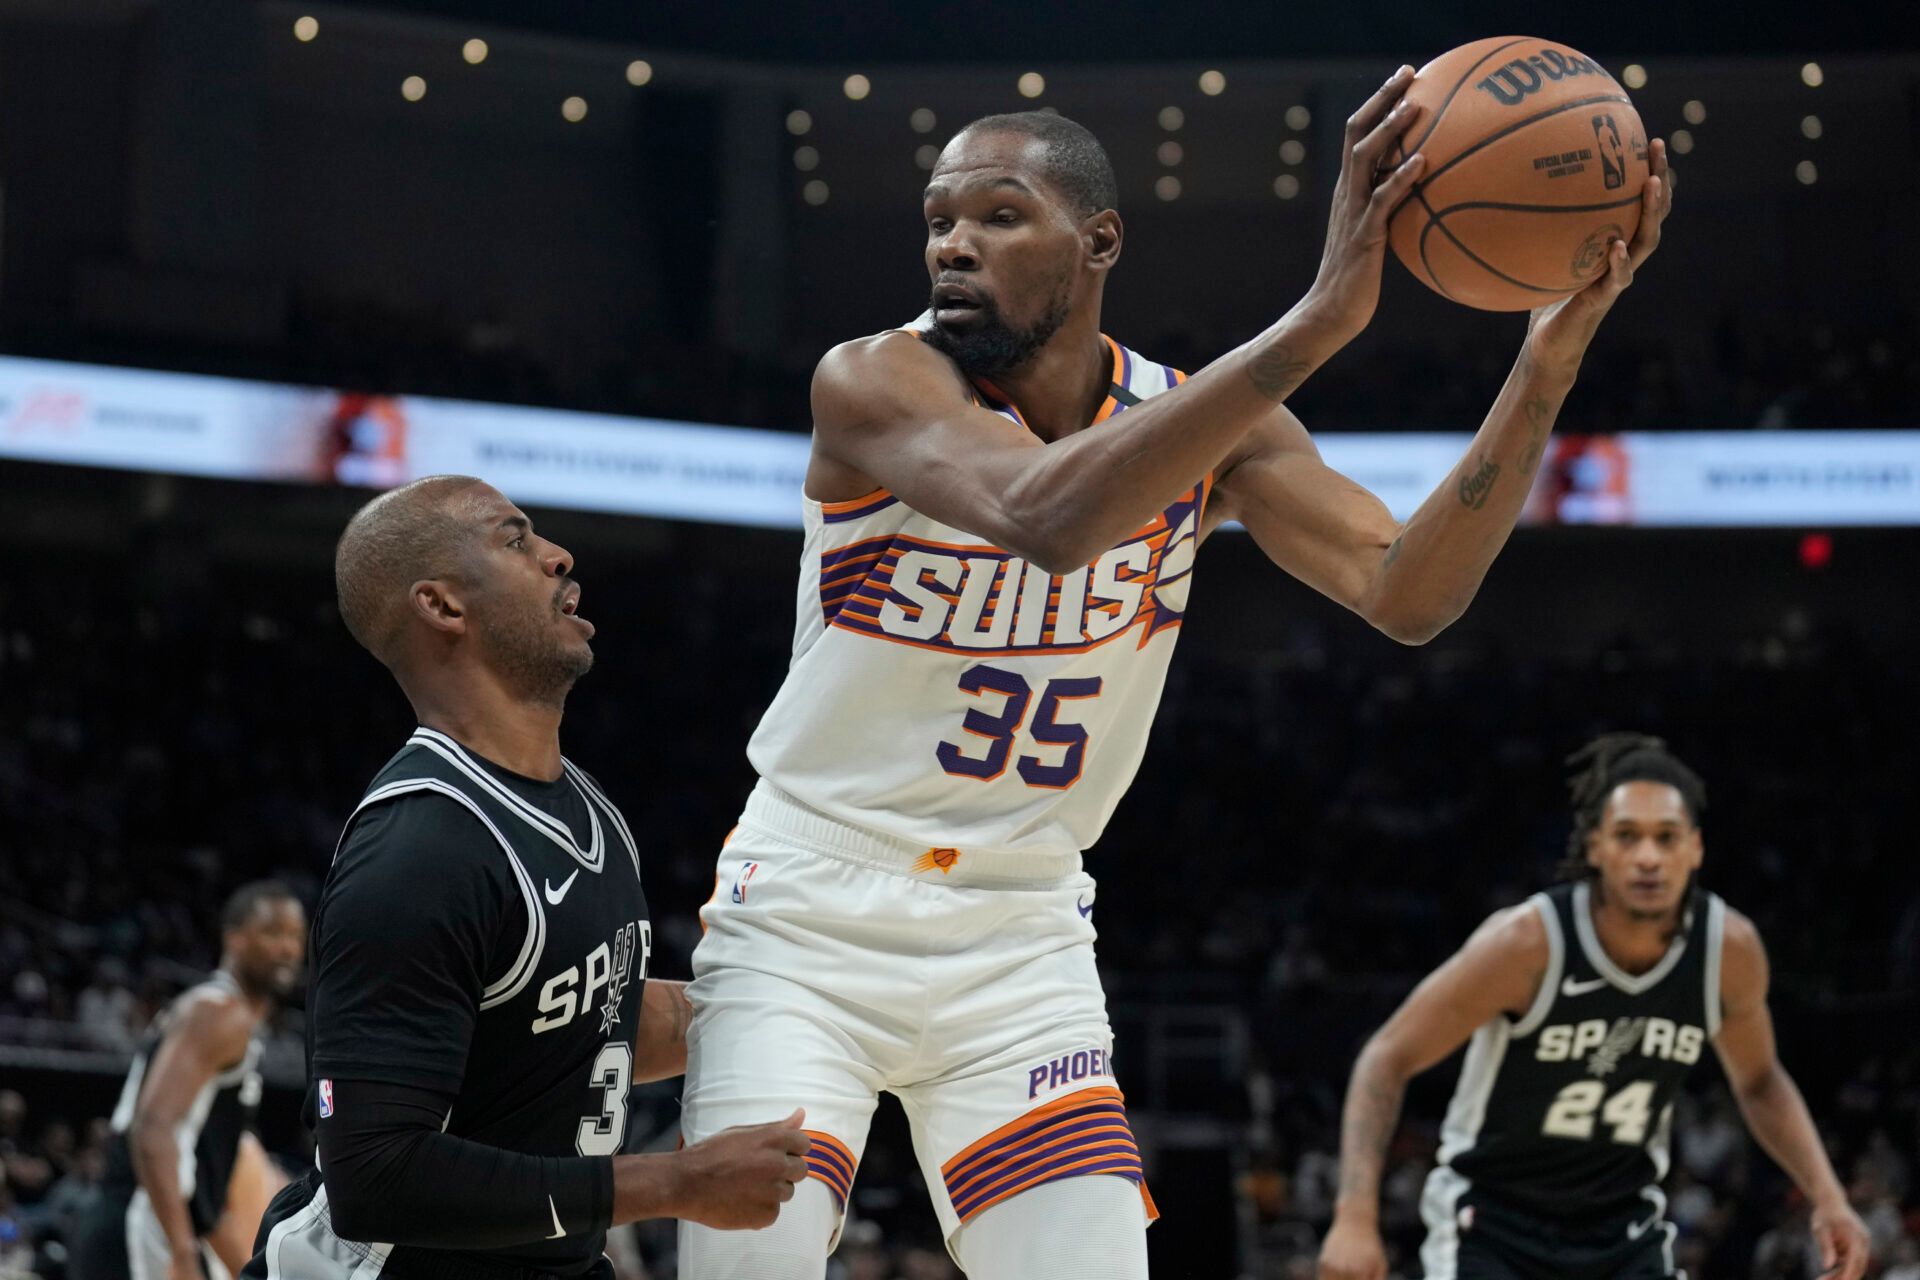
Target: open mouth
[(570, 608), (951, 302)]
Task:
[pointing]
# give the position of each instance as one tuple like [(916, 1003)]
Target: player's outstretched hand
[(1352, 1251), (1557, 335), (740, 1177), (1347, 289), (1842, 1240)]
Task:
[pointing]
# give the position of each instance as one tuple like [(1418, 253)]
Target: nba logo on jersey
[(740, 881), (325, 1090)]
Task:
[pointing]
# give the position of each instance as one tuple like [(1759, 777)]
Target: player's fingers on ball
[(1373, 145), (795, 1169), (1371, 111)]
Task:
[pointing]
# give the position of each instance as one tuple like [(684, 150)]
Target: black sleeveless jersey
[(209, 1134), (1567, 1111), (484, 935)]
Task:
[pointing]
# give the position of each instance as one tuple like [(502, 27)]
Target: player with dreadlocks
[(1586, 1006)]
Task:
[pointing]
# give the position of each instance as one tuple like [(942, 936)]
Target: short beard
[(526, 652), (990, 347)]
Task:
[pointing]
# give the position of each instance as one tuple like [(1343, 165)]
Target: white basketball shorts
[(838, 962)]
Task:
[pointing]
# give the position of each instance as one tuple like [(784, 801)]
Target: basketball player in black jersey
[(1586, 1006), (479, 1002), (188, 1103)]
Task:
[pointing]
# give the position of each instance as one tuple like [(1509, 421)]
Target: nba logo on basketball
[(1613, 160), (325, 1090), (740, 883)]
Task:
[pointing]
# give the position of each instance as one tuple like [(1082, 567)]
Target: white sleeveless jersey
[(948, 693)]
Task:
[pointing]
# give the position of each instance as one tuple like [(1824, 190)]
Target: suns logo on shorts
[(940, 860)]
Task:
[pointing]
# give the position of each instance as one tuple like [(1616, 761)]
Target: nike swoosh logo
[(554, 898), (1572, 988), (1084, 908), (558, 1230)]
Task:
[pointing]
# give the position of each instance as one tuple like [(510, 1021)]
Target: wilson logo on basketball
[(1511, 84)]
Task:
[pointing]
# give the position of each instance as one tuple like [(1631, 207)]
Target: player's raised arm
[(1497, 972), (1775, 1112), (893, 413), (1412, 580)]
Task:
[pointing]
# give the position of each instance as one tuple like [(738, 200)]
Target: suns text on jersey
[(980, 600)]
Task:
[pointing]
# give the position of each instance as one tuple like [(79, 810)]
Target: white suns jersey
[(946, 692)]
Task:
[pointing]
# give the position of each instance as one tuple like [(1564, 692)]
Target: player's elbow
[(360, 1213), (1409, 627)]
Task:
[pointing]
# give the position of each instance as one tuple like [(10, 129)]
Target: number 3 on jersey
[(999, 730)]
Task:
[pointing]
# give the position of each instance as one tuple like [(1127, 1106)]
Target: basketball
[(1535, 159)]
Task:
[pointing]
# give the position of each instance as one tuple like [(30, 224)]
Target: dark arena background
[(257, 259)]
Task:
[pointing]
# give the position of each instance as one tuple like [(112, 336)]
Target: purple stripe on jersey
[(1126, 367), (1171, 380), (853, 550), (840, 517)]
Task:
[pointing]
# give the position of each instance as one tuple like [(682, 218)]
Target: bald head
[(414, 532)]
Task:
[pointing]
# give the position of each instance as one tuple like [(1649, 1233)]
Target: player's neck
[(521, 739), (259, 1002), (1635, 943), (1062, 388)]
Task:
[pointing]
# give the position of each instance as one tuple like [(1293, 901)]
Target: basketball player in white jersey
[(1001, 513)]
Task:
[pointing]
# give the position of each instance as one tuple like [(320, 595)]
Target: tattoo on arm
[(1372, 1114), (1539, 411), (1275, 373), (1475, 488), (1393, 550)]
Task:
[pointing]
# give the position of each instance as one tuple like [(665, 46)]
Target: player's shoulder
[(424, 830), (213, 1012), (1743, 956), (880, 363), (1519, 933)]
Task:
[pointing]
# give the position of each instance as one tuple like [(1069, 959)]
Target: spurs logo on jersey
[(608, 967), (946, 691), (1660, 1038), (1569, 1116)]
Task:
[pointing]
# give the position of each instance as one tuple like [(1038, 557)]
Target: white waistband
[(774, 812)]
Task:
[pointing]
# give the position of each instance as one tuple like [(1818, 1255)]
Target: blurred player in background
[(1002, 509), (182, 1146), (480, 1006), (1586, 1007)]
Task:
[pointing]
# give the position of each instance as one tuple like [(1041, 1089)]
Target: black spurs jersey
[(485, 935), (1566, 1112), (208, 1136)]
